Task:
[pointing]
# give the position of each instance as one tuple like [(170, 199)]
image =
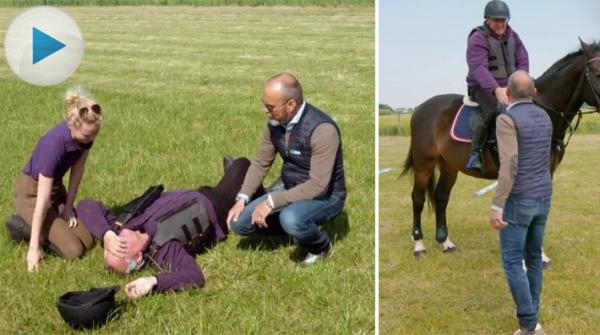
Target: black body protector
[(501, 60), (188, 224)]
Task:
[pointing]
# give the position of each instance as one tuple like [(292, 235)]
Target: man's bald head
[(520, 86), (282, 98), (286, 85), (134, 258)]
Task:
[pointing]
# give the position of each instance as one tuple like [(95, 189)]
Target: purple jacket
[(177, 268), (478, 52)]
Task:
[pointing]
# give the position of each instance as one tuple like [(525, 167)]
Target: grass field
[(181, 87), (466, 292), (25, 3), (392, 125)]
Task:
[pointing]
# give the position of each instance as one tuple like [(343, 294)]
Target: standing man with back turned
[(522, 201), (309, 143), (494, 51)]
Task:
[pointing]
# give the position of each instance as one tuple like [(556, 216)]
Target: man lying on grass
[(167, 234)]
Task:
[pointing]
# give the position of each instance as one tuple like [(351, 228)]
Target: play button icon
[(43, 46)]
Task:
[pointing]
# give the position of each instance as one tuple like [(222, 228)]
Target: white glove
[(140, 287)]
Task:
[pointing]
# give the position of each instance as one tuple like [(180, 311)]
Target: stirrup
[(474, 163)]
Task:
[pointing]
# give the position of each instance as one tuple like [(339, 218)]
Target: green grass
[(394, 125), (26, 3), (399, 125), (466, 292), (181, 87)]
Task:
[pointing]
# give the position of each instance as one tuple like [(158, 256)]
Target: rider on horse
[(494, 51)]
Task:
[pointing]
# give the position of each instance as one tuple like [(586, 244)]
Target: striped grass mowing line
[(180, 87), (325, 3)]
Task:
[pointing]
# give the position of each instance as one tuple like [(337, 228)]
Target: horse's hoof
[(420, 253), (546, 265), (450, 249)]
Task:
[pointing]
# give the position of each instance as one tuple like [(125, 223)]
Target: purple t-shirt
[(56, 152)]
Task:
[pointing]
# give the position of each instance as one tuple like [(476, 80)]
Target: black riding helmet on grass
[(88, 309)]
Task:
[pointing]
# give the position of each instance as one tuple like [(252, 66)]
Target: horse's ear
[(586, 49)]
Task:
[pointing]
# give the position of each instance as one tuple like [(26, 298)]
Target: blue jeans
[(522, 240), (300, 220)]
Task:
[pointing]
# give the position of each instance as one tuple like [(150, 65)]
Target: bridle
[(577, 92), (591, 82)]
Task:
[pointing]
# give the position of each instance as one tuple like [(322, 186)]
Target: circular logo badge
[(43, 46)]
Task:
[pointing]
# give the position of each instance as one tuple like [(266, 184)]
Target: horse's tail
[(408, 163), (409, 167)]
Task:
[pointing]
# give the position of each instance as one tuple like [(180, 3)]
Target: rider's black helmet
[(87, 309), (496, 9)]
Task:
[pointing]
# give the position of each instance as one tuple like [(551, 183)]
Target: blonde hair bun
[(76, 96)]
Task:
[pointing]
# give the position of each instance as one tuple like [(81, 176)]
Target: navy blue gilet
[(534, 138), (296, 155)]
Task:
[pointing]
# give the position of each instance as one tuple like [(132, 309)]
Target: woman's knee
[(87, 240), (72, 250)]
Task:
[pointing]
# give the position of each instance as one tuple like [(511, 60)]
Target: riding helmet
[(87, 309), (496, 9)]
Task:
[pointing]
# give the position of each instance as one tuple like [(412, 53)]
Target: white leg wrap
[(447, 244), (419, 245)]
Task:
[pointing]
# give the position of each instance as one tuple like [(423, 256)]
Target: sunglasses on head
[(95, 108)]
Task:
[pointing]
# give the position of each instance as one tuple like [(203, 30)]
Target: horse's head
[(591, 91)]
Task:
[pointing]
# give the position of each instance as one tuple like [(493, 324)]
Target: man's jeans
[(522, 240), (299, 220)]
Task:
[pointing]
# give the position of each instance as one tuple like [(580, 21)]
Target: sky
[(422, 43)]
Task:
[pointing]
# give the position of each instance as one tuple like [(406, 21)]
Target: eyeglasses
[(95, 108), (271, 108)]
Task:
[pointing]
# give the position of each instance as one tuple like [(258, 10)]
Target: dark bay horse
[(562, 89)]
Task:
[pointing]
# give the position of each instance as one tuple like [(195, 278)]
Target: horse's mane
[(567, 60)]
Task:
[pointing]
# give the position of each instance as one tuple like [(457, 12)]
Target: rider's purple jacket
[(478, 49), (178, 268)]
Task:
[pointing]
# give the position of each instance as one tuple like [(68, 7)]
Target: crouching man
[(167, 234)]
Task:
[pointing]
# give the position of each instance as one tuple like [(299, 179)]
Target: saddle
[(464, 123)]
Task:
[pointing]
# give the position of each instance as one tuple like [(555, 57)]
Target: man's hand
[(496, 220), (259, 216), (235, 211), (500, 93), (114, 244), (68, 215), (34, 257), (140, 287)]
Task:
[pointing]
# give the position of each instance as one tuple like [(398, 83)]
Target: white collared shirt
[(290, 125), (518, 102)]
